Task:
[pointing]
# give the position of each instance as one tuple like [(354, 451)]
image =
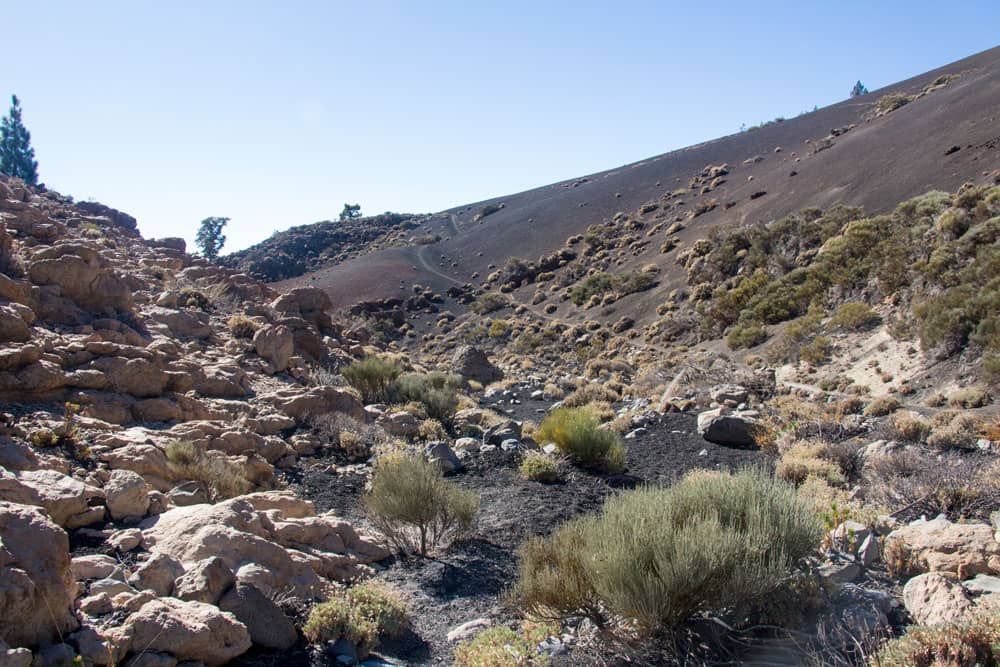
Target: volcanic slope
[(851, 153)]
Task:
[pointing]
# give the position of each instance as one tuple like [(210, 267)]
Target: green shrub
[(806, 459), (437, 392), (220, 476), (500, 646), (242, 327), (854, 316), (816, 351), (577, 433), (538, 467), (489, 302), (971, 642), (372, 377), (363, 615), (656, 556), (597, 283), (741, 336), (412, 504), (991, 369)]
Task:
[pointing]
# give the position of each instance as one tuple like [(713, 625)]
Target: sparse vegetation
[(436, 392), (242, 326), (854, 316), (364, 615), (971, 642), (220, 476), (577, 434), (372, 377), (891, 102), (489, 302), (882, 406), (657, 556), (500, 646), (539, 467), (412, 504), (968, 398)]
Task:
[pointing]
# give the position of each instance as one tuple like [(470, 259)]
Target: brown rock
[(931, 599), (36, 584)]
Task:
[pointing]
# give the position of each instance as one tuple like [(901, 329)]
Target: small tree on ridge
[(210, 238), (17, 157)]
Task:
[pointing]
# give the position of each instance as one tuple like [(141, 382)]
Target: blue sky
[(275, 114)]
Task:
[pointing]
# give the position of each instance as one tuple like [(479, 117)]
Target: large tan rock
[(931, 599), (271, 538), (147, 460), (65, 499), (81, 275), (956, 550), (308, 303), (13, 328), (225, 380), (185, 324), (186, 630), (304, 404), (127, 494), (276, 344), (36, 584), (136, 377)]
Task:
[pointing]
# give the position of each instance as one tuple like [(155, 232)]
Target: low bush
[(192, 298), (891, 102), (372, 377), (655, 556), (960, 431), (356, 439), (538, 467), (412, 504), (241, 326), (489, 302), (911, 426), (220, 476), (817, 351), (364, 615), (437, 392), (500, 646), (591, 393), (971, 642), (854, 316), (806, 459), (577, 434), (749, 335), (882, 406), (968, 398)]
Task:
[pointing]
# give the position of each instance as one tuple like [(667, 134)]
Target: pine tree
[(859, 89), (17, 157), (210, 237), (350, 211)]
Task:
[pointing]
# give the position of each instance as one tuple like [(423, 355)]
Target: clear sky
[(275, 114)]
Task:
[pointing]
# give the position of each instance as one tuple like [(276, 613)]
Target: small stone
[(637, 433), (468, 630), (982, 584)]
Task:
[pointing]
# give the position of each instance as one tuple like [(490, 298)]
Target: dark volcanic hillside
[(842, 154)]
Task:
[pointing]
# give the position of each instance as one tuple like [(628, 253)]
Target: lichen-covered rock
[(36, 583)]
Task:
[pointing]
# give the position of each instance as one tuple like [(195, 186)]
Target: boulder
[(268, 626), (308, 303), (932, 600), (276, 343), (94, 566), (726, 394), (303, 404), (37, 588), (736, 429), (473, 364), (65, 499), (127, 494), (444, 456), (13, 328), (399, 423), (135, 377), (146, 460), (956, 550), (157, 574), (204, 581), (187, 630)]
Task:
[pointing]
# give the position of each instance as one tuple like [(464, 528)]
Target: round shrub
[(363, 615), (577, 433), (539, 468), (412, 504), (242, 326), (372, 377), (854, 316), (656, 556)]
